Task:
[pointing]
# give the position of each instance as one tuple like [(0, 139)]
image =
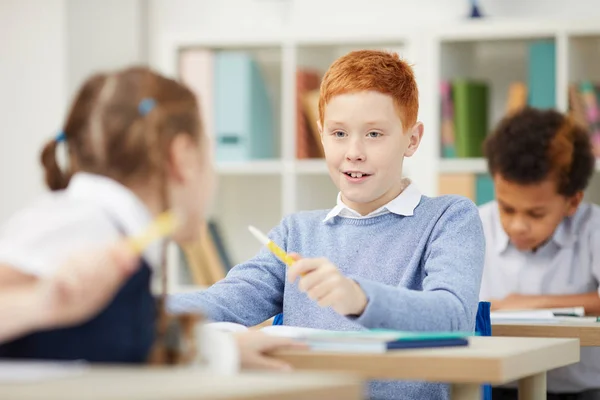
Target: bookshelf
[(463, 166), (492, 50), (255, 167)]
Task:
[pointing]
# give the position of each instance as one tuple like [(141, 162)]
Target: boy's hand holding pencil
[(323, 282), (320, 279)]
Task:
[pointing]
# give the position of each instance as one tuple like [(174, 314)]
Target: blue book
[(542, 74), (244, 117)]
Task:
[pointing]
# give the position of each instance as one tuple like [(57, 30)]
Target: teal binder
[(380, 341), (244, 117), (542, 74), (484, 189)]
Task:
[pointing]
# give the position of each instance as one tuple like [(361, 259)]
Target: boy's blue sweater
[(419, 272)]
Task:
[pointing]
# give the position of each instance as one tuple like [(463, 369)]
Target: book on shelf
[(541, 74), (243, 122), (517, 97), (234, 100), (207, 260), (462, 184), (308, 141), (196, 69), (310, 106), (464, 117), (477, 187), (447, 122), (470, 116), (584, 108)]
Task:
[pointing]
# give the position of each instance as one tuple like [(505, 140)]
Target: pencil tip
[(258, 235)]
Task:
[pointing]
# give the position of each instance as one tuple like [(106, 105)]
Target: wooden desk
[(494, 360), (588, 333), (173, 384)]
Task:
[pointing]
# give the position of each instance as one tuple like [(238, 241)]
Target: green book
[(471, 115)]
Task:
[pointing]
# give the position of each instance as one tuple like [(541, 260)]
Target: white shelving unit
[(261, 192), (463, 166)]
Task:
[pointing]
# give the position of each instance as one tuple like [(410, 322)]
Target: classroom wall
[(47, 49), (103, 35), (33, 83), (224, 16)]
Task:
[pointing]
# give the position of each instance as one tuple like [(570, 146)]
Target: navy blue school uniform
[(93, 211), (121, 333)]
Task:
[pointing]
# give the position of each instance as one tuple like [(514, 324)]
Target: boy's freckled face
[(365, 145), (531, 213)]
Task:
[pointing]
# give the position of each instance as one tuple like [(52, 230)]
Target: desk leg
[(466, 391), (533, 387)]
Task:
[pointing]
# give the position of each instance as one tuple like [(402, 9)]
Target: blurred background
[(255, 65)]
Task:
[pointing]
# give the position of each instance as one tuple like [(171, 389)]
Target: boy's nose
[(354, 157), (355, 152), (518, 226)]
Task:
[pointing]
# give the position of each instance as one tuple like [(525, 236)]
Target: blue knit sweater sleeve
[(453, 265), (251, 293)]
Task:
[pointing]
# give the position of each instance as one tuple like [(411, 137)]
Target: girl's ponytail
[(56, 179)]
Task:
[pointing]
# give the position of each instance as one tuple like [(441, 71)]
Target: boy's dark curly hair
[(531, 145)]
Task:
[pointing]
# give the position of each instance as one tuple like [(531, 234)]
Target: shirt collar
[(563, 236), (403, 204), (129, 213)]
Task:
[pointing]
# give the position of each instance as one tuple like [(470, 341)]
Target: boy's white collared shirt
[(403, 204), (568, 263)]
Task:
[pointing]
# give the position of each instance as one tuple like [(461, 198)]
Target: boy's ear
[(181, 158), (414, 136), (573, 203), (320, 127)]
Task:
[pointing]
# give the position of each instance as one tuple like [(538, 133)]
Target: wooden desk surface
[(486, 360), (118, 383), (588, 333)]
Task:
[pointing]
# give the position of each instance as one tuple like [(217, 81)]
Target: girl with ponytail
[(135, 149)]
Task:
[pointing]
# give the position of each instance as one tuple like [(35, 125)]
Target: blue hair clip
[(60, 137), (146, 105)]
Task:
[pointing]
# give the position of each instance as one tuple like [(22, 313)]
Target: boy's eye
[(374, 134), (339, 134), (536, 216)]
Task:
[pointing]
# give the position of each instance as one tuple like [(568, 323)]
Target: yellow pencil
[(164, 225), (278, 251)]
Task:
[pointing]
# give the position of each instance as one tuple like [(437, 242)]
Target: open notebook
[(366, 341)]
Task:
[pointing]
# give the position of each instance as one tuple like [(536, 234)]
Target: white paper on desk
[(273, 330), (529, 315), (36, 371), (290, 331)]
